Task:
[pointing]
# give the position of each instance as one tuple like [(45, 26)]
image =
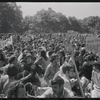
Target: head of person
[(57, 85), (26, 51), (67, 70), (82, 51), (12, 60), (50, 53), (76, 55), (12, 71), (96, 66), (17, 52), (43, 54), (62, 53), (89, 59), (54, 58), (16, 90), (28, 59)]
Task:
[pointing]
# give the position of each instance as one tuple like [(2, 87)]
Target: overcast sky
[(78, 10)]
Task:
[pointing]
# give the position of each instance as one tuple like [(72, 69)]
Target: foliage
[(10, 17)]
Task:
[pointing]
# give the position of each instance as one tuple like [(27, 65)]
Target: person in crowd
[(3, 59), (95, 85), (12, 71), (22, 55), (62, 57), (33, 69), (86, 71), (81, 56), (68, 82), (16, 90), (57, 90), (43, 60), (12, 60), (76, 58), (51, 69)]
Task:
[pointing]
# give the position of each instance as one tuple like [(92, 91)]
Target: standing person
[(51, 69), (95, 89)]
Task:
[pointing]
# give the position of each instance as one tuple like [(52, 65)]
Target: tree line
[(44, 21)]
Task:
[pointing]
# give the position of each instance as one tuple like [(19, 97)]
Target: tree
[(10, 17)]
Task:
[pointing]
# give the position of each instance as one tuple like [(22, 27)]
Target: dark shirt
[(34, 78), (86, 70)]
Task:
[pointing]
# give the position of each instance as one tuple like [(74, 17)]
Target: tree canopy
[(44, 21)]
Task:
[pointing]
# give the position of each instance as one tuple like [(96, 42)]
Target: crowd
[(43, 68)]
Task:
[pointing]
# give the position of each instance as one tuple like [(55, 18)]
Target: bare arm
[(25, 78), (47, 73)]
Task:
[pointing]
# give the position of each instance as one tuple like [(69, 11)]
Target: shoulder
[(68, 93), (47, 93), (85, 64), (4, 78), (49, 66)]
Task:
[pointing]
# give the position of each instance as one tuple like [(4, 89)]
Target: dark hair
[(13, 90), (97, 65), (43, 54), (53, 57), (83, 51), (62, 53), (50, 53), (11, 59), (66, 68), (12, 70), (89, 58), (57, 80)]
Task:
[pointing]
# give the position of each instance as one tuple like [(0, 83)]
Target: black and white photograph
[(49, 50)]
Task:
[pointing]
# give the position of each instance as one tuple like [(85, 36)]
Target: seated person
[(16, 90), (57, 90)]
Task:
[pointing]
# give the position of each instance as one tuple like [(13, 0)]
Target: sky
[(73, 9)]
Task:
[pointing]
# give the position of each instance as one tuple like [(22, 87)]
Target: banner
[(93, 44)]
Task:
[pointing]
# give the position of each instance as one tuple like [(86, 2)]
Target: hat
[(57, 80)]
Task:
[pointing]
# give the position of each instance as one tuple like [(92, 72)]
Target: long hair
[(43, 54)]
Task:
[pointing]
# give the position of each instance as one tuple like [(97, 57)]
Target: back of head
[(11, 59), (62, 53), (66, 68), (43, 54), (12, 70)]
